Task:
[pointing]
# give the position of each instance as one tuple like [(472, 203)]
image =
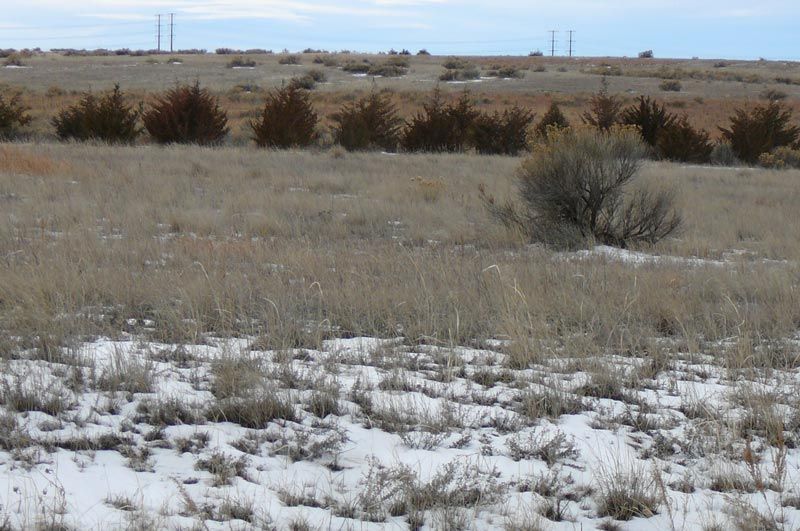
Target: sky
[(731, 29)]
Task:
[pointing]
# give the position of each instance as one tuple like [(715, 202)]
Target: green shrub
[(604, 109), (503, 133), (723, 155), (107, 118), (456, 63), (13, 60), (681, 142), (357, 68), (241, 62), (552, 119), (186, 114), (288, 119), (649, 117), (670, 85), (760, 130), (13, 116), (578, 189), (505, 72), (317, 75), (466, 74), (388, 69), (304, 82), (368, 123), (441, 127), (289, 60)]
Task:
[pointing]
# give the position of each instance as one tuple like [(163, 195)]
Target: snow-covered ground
[(382, 434)]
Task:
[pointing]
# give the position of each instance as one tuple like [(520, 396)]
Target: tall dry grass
[(296, 247)]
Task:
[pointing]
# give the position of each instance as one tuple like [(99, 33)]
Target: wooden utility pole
[(158, 32), (171, 30), (571, 41), (553, 42)]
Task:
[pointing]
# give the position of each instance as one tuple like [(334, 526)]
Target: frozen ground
[(383, 434)]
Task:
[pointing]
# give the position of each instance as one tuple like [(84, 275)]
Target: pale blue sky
[(672, 28)]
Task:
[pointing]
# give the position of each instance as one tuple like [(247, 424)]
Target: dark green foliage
[(553, 118), (760, 130), (605, 108), (241, 62), (368, 123), (288, 120), (503, 133), (683, 143), (13, 115), (107, 118), (465, 74), (186, 114), (357, 68), (649, 117), (441, 127)]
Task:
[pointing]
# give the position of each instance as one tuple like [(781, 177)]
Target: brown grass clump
[(22, 162)]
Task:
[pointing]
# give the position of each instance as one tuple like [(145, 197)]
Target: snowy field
[(379, 434)]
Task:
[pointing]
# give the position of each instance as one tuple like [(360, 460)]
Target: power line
[(553, 42)]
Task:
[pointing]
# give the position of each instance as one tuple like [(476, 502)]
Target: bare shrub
[(107, 118), (441, 127), (13, 116), (186, 114), (241, 62), (604, 109), (371, 122), (503, 133), (670, 85), (289, 60), (287, 120), (760, 130), (578, 188)]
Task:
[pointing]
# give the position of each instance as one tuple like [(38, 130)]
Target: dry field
[(239, 339), (710, 89)]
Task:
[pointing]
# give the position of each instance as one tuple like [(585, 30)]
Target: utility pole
[(171, 30), (158, 32), (553, 42), (571, 41)]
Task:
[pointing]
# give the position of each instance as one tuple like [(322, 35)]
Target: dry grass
[(302, 246)]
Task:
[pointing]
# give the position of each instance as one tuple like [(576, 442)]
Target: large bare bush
[(579, 187)]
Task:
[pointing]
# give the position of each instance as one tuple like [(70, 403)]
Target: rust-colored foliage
[(186, 114), (287, 120)]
